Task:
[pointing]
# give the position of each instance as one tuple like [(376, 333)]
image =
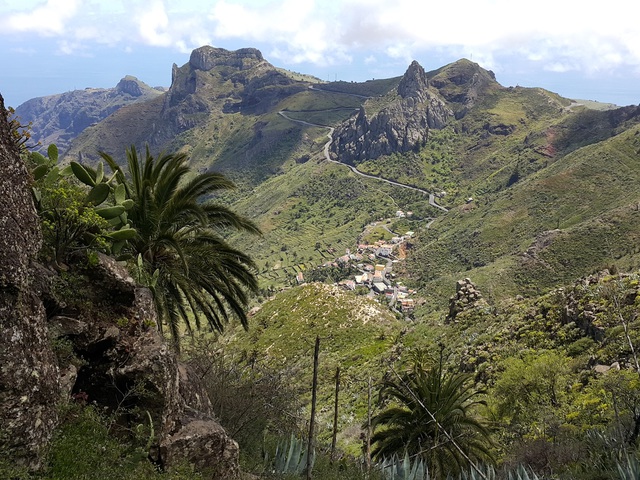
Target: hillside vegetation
[(539, 209)]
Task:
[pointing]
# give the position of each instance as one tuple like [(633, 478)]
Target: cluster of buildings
[(375, 265)]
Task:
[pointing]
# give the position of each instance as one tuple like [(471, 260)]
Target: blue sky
[(573, 48)]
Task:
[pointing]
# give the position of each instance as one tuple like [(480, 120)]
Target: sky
[(579, 49)]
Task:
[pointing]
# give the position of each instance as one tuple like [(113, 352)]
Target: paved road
[(432, 198)]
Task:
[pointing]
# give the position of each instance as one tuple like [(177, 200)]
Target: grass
[(356, 333)]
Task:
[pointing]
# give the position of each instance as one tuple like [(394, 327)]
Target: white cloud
[(551, 34), (153, 23), (298, 29), (47, 18)]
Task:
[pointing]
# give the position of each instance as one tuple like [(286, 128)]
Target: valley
[(436, 227)]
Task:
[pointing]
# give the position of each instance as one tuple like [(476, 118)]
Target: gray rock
[(61, 325), (205, 444), (400, 127), (29, 385)]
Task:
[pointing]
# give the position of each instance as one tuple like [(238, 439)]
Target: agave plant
[(395, 469), (290, 457), (628, 468)]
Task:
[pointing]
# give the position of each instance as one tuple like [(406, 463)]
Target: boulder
[(130, 370)]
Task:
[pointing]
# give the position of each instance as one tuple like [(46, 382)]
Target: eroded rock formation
[(467, 296), (128, 368), (399, 127)]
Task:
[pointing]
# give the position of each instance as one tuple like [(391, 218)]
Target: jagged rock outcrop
[(219, 79), (205, 58), (61, 118), (28, 369), (125, 366), (401, 126), (467, 297)]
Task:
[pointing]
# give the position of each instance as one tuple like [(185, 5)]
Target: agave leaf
[(406, 465), (292, 445)]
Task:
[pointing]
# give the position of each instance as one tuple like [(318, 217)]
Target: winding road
[(432, 198)]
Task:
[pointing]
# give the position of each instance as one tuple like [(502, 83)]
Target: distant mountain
[(60, 118), (512, 164), (213, 108)]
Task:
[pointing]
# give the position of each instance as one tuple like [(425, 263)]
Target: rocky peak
[(401, 126), (205, 58), (414, 81), (463, 82), (130, 85)]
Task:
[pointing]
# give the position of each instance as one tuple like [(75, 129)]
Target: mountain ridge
[(454, 131)]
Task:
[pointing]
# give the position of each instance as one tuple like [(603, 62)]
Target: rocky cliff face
[(114, 356), (216, 79), (28, 368), (424, 101), (399, 127), (60, 118), (123, 365)]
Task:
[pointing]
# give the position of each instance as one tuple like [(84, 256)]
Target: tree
[(432, 417), (196, 276)]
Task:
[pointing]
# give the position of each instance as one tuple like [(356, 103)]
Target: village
[(370, 270)]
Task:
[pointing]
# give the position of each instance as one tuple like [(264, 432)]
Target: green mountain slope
[(356, 334), (525, 156)]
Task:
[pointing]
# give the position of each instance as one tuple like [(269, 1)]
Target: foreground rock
[(129, 369), (28, 369), (110, 353)]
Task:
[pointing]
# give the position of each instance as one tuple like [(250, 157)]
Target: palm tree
[(432, 417), (198, 277)]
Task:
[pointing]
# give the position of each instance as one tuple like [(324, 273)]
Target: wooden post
[(312, 422), (335, 416), (368, 452)]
